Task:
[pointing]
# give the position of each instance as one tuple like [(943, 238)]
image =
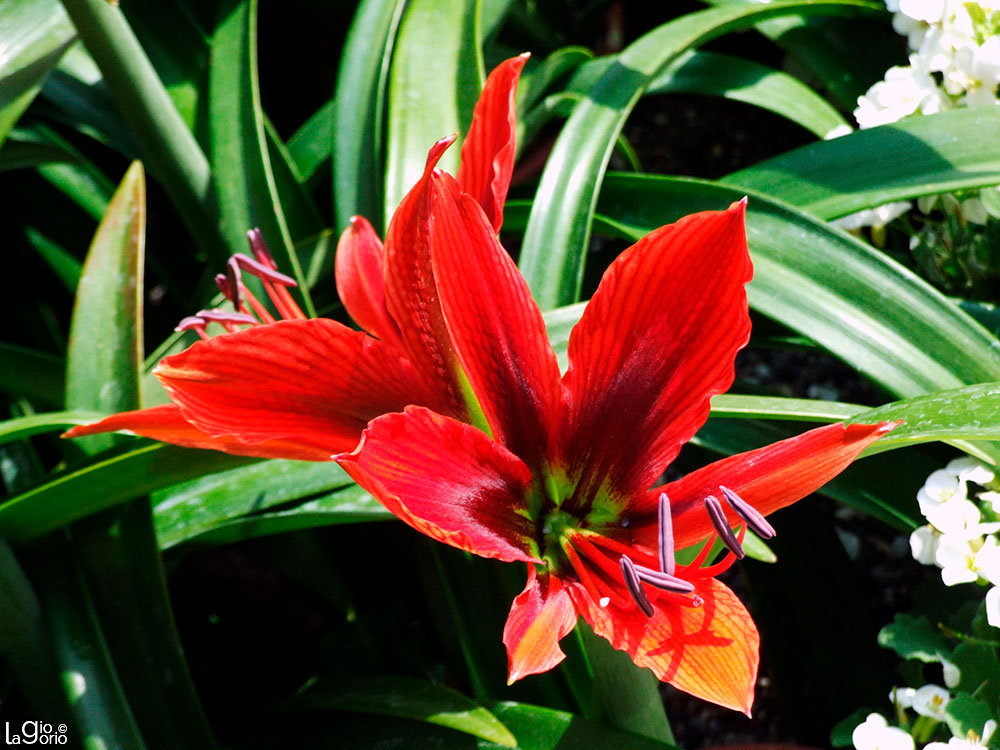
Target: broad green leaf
[(964, 714), (916, 156), (104, 483), (851, 299), (774, 407), (435, 78), (699, 72), (628, 698), (559, 227), (105, 342), (241, 163), (362, 86), (349, 504), (914, 638), (411, 699), (34, 34), (193, 507), (91, 687), (172, 154), (32, 374), (540, 728), (979, 667), (312, 144)]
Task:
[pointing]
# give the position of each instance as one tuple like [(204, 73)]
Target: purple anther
[(259, 249), (261, 271), (191, 322), (666, 536), (634, 585), (220, 316), (722, 528), (754, 518), (234, 281), (663, 581)]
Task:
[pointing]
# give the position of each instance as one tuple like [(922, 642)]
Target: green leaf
[(63, 265), (914, 638), (539, 728), (362, 85), (871, 312), (917, 156), (105, 342), (699, 72), (411, 699), (35, 424), (979, 669), (169, 148), (559, 227), (35, 375), (34, 34), (435, 79), (312, 144), (190, 508), (241, 163), (104, 483), (966, 714)]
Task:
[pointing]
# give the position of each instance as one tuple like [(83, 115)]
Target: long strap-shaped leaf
[(240, 159), (170, 149), (854, 301), (559, 228), (917, 156)]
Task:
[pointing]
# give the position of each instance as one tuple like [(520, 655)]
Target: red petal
[(309, 381), (768, 478), (655, 342), (412, 298), (494, 325), (359, 280), (489, 148), (709, 651), (539, 618), (165, 423), (447, 480)]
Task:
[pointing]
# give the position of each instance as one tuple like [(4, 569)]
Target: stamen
[(259, 249), (722, 565), (663, 581), (220, 316), (261, 271), (193, 322), (235, 281), (666, 536), (754, 518), (718, 516), (634, 586)]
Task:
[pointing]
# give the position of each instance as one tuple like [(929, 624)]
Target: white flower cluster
[(955, 538), (954, 62), (875, 733)]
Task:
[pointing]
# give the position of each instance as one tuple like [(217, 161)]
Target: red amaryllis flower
[(300, 388), (555, 470)]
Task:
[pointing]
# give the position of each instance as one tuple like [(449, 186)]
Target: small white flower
[(958, 516), (952, 674), (873, 217), (970, 469), (923, 544), (902, 696), (987, 562), (972, 741), (905, 91), (876, 734), (993, 606), (928, 11), (931, 700), (957, 559), (943, 485), (991, 497)]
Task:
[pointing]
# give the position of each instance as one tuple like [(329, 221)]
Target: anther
[(722, 528), (219, 316), (235, 282), (755, 520), (663, 581), (261, 270), (634, 585), (666, 536), (191, 321), (259, 249)]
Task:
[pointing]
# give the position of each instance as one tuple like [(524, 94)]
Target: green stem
[(627, 697), (168, 146)]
